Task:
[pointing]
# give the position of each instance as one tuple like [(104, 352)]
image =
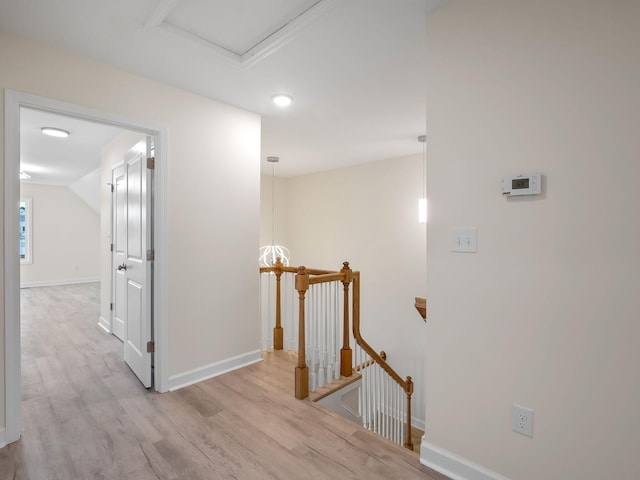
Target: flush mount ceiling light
[(24, 175), (55, 132), (282, 100)]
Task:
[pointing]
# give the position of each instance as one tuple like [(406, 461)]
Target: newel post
[(278, 336), (408, 443), (302, 372), (346, 361)]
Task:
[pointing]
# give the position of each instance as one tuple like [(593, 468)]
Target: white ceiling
[(355, 68), (60, 161)]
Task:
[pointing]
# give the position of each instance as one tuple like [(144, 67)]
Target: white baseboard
[(418, 423), (3, 438), (104, 324), (453, 466), (213, 370), (51, 283)]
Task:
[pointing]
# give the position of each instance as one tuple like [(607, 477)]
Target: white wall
[(64, 238), (88, 189), (275, 231), (213, 195), (368, 215), (546, 313), (112, 154)]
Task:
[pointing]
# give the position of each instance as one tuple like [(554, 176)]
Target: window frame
[(28, 231)]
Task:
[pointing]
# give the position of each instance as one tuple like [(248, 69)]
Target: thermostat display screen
[(529, 184), (518, 183)]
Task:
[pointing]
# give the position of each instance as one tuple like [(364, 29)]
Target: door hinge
[(151, 163), (111, 307), (112, 187), (151, 346), (151, 255), (111, 247)]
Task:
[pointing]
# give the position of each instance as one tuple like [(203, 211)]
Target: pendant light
[(270, 253), (422, 201)]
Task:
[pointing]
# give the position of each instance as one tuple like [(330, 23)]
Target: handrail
[(407, 385), (326, 278), (279, 266), (421, 307), (368, 363)]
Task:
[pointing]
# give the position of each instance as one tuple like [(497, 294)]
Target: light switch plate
[(464, 239)]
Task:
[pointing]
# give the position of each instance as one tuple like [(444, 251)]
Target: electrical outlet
[(522, 420)]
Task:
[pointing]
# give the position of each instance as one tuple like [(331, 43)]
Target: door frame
[(13, 101)]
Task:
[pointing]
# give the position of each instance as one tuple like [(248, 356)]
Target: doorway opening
[(14, 103)]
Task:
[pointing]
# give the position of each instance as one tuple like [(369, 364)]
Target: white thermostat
[(530, 184)]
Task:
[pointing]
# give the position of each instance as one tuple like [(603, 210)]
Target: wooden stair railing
[(304, 278), (407, 384), (421, 307)]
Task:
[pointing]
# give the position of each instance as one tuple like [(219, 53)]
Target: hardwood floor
[(86, 416)]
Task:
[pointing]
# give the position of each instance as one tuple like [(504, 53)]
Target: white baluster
[(339, 314), (403, 413), (380, 401), (376, 398), (370, 394), (331, 335), (385, 408), (326, 325), (367, 398), (361, 401), (398, 419), (392, 410), (381, 404)]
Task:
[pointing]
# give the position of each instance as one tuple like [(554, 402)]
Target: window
[(25, 230)]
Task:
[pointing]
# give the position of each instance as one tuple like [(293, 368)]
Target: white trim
[(12, 368), (161, 12), (161, 262), (3, 441), (213, 370), (13, 100), (28, 240), (453, 466), (276, 40), (52, 283), (104, 324), (286, 33), (232, 57)]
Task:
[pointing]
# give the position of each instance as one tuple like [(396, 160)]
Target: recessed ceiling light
[(55, 132), (282, 100)]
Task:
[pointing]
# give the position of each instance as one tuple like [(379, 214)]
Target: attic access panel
[(236, 25)]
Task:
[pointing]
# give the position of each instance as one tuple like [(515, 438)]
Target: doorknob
[(122, 267)]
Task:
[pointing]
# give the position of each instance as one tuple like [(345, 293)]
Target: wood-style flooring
[(86, 416)]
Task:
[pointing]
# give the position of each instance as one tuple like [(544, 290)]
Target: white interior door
[(132, 277), (119, 249)]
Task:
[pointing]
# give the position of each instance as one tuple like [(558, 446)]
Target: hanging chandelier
[(270, 253)]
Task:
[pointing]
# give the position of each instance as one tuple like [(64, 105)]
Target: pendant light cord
[(424, 169), (273, 199)]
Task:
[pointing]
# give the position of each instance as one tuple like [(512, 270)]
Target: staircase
[(317, 313)]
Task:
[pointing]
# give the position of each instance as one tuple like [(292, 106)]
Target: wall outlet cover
[(522, 420)]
